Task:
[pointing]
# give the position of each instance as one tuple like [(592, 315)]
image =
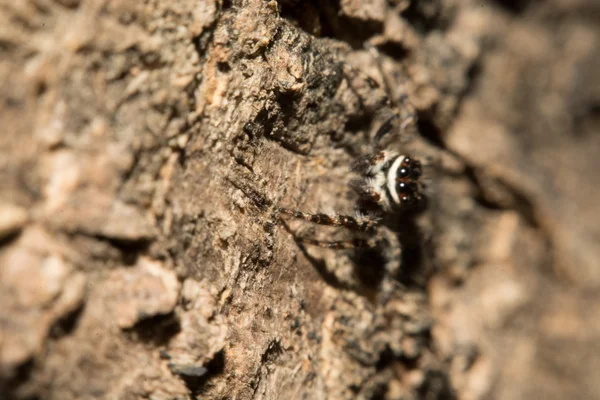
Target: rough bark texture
[(144, 149)]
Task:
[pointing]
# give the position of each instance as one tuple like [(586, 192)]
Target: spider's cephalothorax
[(390, 182)]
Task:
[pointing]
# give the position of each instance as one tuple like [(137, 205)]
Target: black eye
[(410, 200), (402, 187), (403, 173), (407, 187)]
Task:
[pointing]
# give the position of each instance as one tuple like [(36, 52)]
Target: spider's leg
[(407, 116), (402, 107), (340, 244), (363, 224), (385, 128), (333, 244)]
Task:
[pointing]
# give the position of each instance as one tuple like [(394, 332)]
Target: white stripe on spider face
[(391, 179)]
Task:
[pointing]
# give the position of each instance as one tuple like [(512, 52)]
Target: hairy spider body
[(388, 187)]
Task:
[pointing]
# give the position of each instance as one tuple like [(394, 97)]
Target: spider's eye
[(403, 173), (407, 187), (408, 199)]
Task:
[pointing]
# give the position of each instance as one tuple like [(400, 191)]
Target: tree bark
[(145, 150)]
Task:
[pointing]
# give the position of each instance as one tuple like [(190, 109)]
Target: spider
[(390, 192), (389, 186)]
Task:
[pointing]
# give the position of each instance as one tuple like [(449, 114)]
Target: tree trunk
[(147, 146)]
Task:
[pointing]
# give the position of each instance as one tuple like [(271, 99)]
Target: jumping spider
[(390, 192), (389, 186)]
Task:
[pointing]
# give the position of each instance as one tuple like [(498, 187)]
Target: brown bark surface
[(145, 148)]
